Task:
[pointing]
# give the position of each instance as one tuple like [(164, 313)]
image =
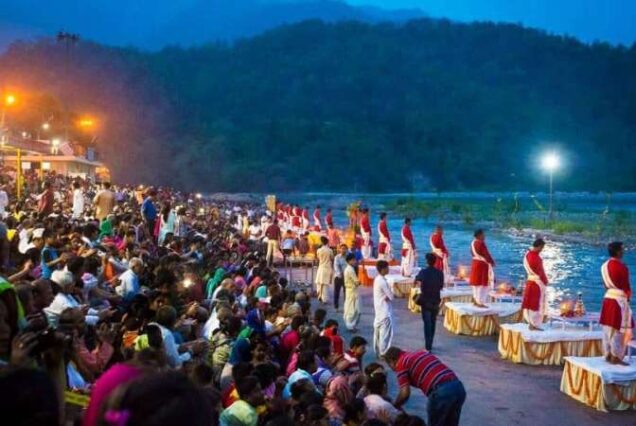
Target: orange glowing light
[(10, 99), (87, 123), (462, 272)]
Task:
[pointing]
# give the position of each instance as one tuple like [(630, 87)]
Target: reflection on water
[(571, 267)]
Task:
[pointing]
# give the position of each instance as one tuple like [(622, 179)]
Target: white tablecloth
[(499, 309), (609, 373), (555, 334), (456, 291), (394, 279), (372, 271)]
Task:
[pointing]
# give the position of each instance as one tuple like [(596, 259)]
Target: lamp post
[(550, 163), (8, 101)]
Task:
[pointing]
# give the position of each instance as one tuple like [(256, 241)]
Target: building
[(62, 158)]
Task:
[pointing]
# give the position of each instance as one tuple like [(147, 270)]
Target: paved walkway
[(499, 392)]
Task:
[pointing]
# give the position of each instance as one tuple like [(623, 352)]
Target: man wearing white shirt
[(166, 319), (78, 201), (129, 281), (383, 322), (64, 299)]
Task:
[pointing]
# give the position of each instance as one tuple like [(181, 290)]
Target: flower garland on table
[(590, 396)]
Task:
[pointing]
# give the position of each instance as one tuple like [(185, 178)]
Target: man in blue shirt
[(431, 282), (149, 212)]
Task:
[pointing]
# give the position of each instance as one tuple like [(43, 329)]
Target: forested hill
[(351, 106)]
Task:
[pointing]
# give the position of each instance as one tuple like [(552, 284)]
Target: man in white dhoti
[(408, 249), (351, 314), (324, 274), (383, 322), (616, 313)]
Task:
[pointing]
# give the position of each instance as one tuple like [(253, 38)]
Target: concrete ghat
[(499, 392)]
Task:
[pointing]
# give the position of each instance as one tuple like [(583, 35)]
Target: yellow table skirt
[(469, 325), (588, 388), (442, 308), (514, 348)]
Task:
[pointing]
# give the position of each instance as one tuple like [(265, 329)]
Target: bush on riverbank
[(513, 213)]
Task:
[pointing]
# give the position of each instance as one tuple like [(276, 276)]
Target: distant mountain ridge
[(427, 105), (185, 23)]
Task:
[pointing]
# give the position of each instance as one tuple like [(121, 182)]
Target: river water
[(571, 267)]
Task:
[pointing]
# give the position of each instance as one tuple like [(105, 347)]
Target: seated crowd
[(153, 308)]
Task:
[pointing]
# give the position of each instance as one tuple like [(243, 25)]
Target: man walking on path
[(431, 282), (383, 322)]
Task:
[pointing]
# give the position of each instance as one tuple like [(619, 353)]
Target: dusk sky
[(139, 22), (589, 20)]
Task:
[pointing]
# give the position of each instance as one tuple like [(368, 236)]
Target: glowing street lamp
[(87, 123), (46, 126), (550, 163), (55, 146)]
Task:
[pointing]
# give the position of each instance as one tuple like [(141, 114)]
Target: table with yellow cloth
[(450, 294), (599, 384), (548, 347), (470, 320), (400, 285)]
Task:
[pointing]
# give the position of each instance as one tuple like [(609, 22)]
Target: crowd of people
[(130, 306), (133, 306)]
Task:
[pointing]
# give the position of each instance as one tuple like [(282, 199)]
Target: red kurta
[(329, 219), (408, 236), (364, 224), (437, 241), (610, 310), (532, 292), (383, 231), (478, 268)]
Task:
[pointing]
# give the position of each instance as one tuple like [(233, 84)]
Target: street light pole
[(550, 211), (550, 163)]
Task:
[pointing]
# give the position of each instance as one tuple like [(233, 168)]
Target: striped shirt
[(422, 370)]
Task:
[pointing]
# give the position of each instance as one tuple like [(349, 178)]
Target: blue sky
[(589, 20)]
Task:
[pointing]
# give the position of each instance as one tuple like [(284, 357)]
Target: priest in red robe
[(317, 223), (305, 219), (482, 276), (408, 249), (296, 218), (534, 302), (365, 233), (384, 243), (329, 219), (616, 313), (438, 248)]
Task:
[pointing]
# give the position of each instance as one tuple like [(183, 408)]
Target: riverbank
[(525, 216)]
